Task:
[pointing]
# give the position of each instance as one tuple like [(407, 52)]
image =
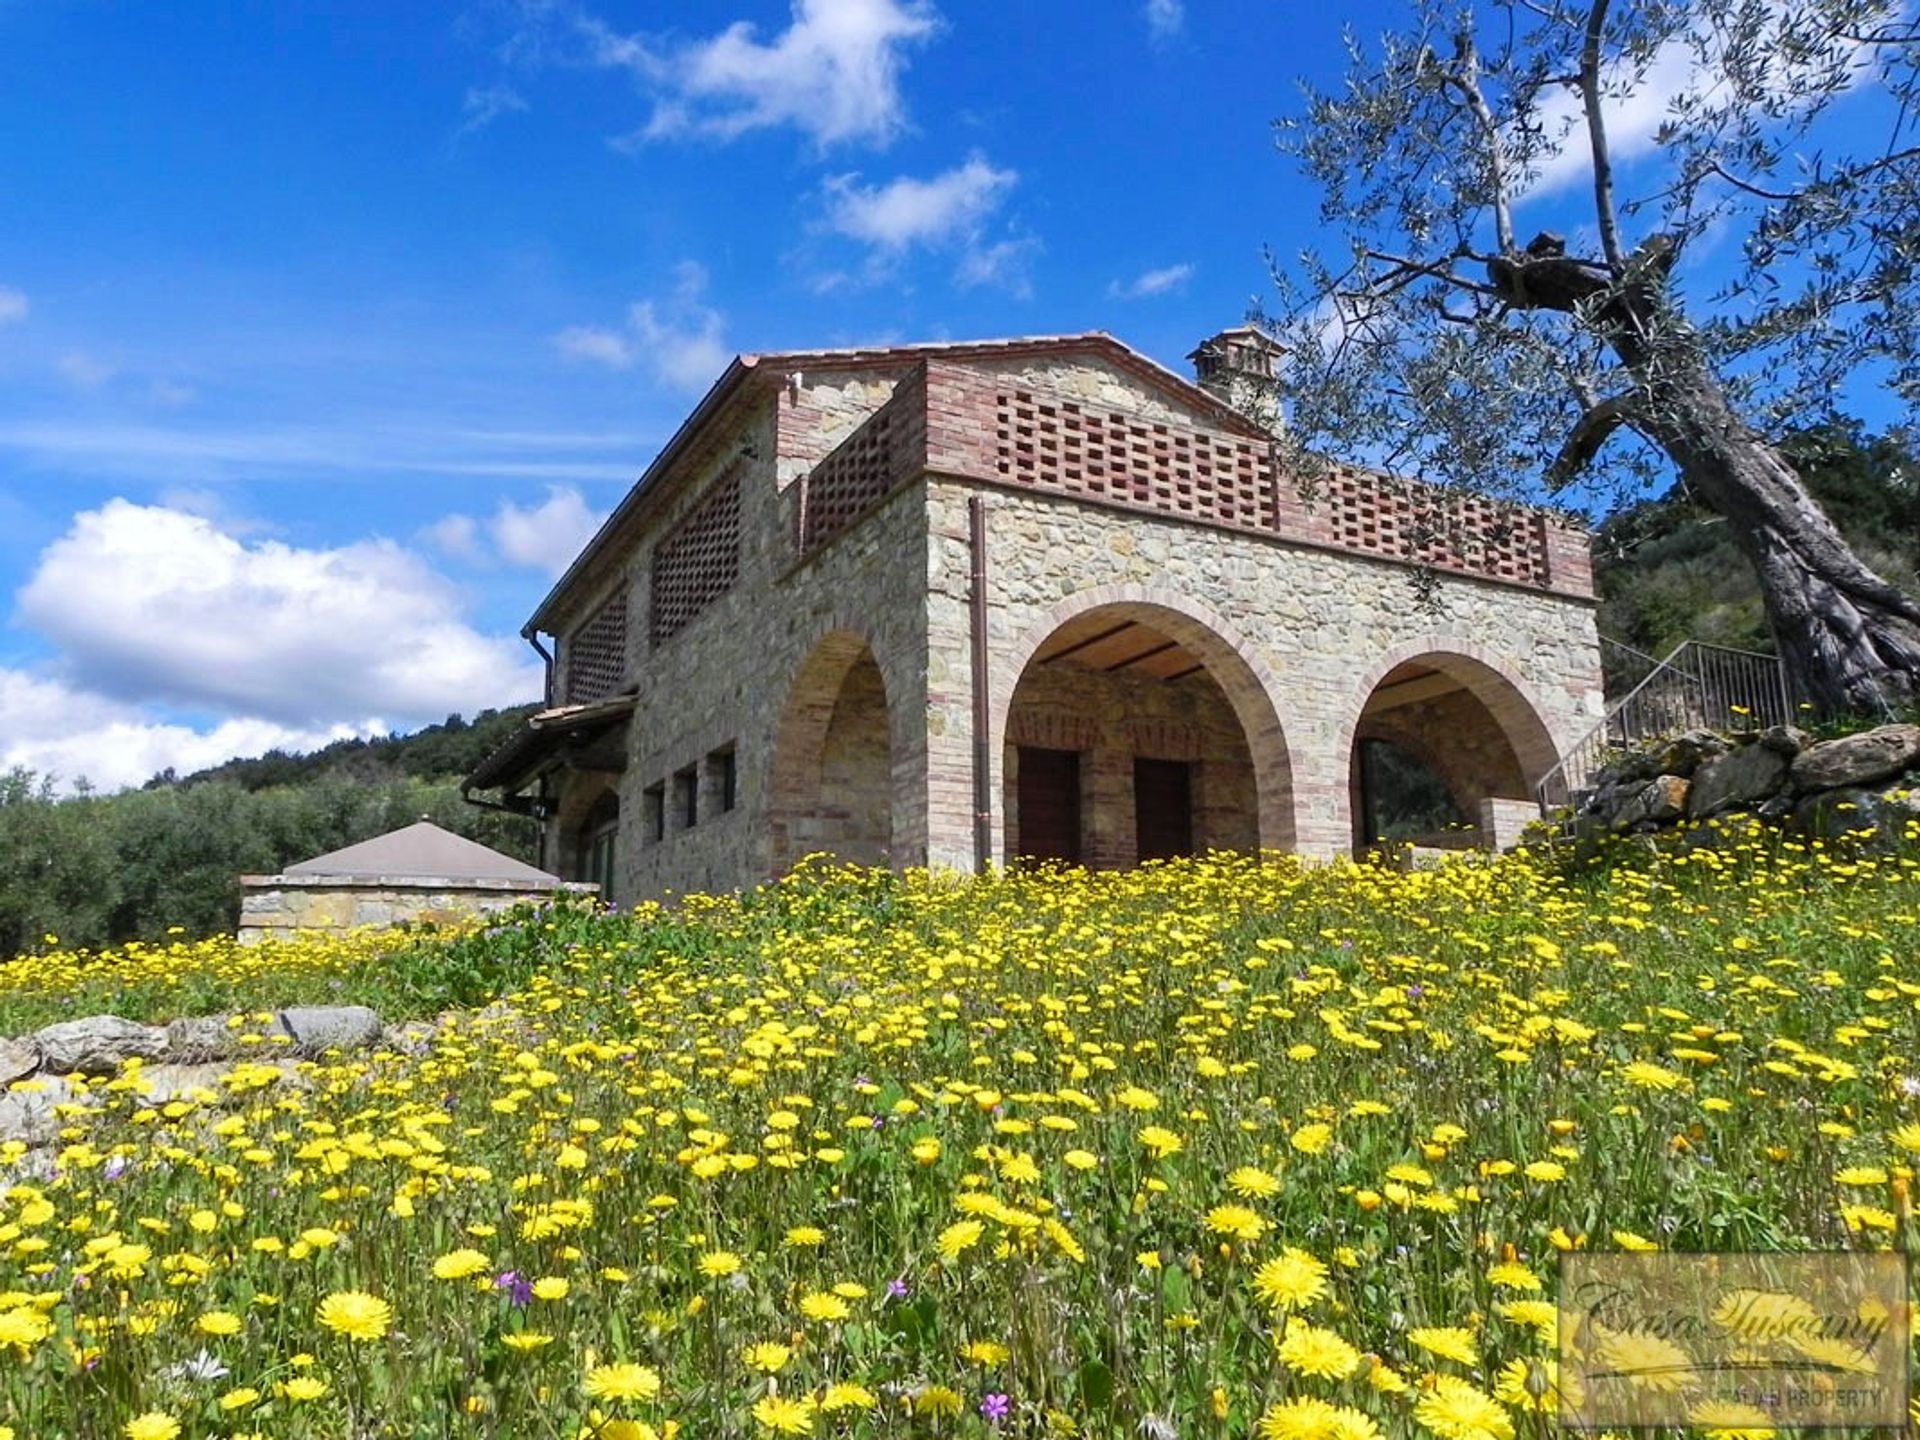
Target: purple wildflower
[(995, 1407), (519, 1289)]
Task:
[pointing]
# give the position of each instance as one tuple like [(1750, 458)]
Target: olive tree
[(1597, 241)]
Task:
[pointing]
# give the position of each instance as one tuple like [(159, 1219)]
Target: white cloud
[(545, 536), (70, 735), (1638, 98), (950, 212), (1165, 18), (833, 73), (1151, 282), (678, 338), (589, 342), (171, 393), (950, 207), (301, 638), (457, 536), (13, 305), (89, 372), (485, 104)]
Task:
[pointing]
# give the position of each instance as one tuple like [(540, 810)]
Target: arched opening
[(832, 777), (1138, 732), (1445, 754)]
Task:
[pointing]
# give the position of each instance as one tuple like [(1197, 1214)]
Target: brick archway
[(831, 783), (1465, 711), (1229, 660)]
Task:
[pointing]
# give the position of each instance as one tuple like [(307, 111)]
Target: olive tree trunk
[(1850, 640)]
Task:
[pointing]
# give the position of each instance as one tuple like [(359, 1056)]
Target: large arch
[(831, 783), (1222, 658), (1466, 715)]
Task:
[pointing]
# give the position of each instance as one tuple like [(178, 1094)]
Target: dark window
[(686, 796), (599, 833), (655, 800), (723, 778), (1162, 808), (1049, 797)]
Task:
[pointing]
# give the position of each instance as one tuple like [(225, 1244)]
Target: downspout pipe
[(982, 709), (532, 637)]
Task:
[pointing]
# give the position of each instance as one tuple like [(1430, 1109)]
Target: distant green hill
[(447, 751)]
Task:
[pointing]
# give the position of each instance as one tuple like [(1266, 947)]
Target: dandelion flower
[(1292, 1280), (1253, 1183), (842, 1395), (460, 1265), (783, 1414), (622, 1381), (1449, 1342), (1236, 1222), (959, 1237), (154, 1425), (356, 1315), (819, 1306), (1455, 1410), (1314, 1351), (768, 1357)]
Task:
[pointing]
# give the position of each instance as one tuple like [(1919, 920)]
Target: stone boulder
[(318, 1028), (1685, 753), (1857, 759), (1789, 740), (1662, 798), (18, 1059), (203, 1038), (27, 1114), (1736, 780), (97, 1045)]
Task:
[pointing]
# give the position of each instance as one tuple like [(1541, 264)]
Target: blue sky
[(328, 331)]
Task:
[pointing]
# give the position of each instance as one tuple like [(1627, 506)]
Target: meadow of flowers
[(1213, 1148)]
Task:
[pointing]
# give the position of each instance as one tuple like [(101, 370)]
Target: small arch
[(1462, 713), (1240, 786), (830, 787)]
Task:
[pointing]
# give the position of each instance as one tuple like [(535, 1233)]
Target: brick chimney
[(1239, 366)]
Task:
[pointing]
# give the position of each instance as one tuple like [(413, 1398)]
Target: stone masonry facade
[(791, 600)]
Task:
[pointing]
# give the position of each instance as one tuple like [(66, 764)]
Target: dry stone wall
[(280, 905)]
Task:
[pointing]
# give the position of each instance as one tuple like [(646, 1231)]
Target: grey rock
[(1662, 798), (319, 1028), (1857, 759), (1684, 754), (18, 1059), (97, 1045), (414, 1037), (1788, 740), (163, 1083), (1832, 814), (211, 1037), (1736, 780), (27, 1115)]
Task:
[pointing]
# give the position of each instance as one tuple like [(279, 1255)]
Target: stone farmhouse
[(962, 604)]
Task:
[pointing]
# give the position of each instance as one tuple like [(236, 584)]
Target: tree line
[(98, 870)]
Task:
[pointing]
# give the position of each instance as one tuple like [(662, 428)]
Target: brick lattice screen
[(863, 469), (1058, 444), (1448, 530), (700, 562), (597, 652)]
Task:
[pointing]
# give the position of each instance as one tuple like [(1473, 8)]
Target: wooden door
[(1049, 797), (1162, 808)]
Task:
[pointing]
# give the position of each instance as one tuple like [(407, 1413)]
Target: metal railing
[(1697, 686)]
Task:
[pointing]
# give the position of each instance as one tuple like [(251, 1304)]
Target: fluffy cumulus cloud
[(72, 735), (545, 536), (148, 606), (1165, 18), (13, 305), (677, 338), (952, 211), (833, 73), (1166, 279)]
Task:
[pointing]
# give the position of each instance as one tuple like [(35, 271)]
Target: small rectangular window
[(723, 778), (686, 796), (654, 799)]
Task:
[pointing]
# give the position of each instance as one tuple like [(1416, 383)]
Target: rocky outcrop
[(1863, 787), (185, 1058)]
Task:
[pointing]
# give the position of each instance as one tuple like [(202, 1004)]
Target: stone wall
[(1864, 786), (1296, 638), (273, 905)]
